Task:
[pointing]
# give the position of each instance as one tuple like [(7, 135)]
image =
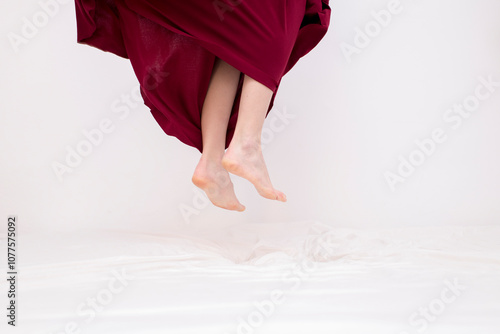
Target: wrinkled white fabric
[(221, 280)]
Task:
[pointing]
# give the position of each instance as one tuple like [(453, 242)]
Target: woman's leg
[(209, 174), (244, 155)]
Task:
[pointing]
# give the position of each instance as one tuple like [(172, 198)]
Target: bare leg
[(244, 155), (209, 174)]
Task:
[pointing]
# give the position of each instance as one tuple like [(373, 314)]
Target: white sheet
[(211, 279)]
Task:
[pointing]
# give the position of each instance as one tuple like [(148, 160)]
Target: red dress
[(172, 45)]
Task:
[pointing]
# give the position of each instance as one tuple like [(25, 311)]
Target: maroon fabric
[(172, 46)]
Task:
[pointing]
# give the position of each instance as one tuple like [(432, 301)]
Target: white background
[(390, 252), (352, 121)]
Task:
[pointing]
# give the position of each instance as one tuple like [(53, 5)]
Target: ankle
[(247, 142), (212, 157)]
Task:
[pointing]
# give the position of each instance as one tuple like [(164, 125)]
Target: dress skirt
[(173, 44)]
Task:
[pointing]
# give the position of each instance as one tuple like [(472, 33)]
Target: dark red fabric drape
[(172, 45)]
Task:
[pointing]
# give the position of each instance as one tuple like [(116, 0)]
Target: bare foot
[(247, 161), (212, 178)]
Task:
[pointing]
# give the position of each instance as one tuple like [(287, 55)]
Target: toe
[(268, 193), (235, 206), (281, 196)]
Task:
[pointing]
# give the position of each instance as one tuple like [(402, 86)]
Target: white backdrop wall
[(351, 120)]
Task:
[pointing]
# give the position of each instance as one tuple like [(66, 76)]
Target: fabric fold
[(172, 47)]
